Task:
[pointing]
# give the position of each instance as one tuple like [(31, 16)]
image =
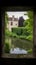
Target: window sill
[(6, 55)]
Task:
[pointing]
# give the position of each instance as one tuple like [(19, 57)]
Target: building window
[(16, 24), (11, 23)]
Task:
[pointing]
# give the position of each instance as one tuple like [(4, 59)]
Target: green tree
[(29, 24), (6, 19), (7, 32)]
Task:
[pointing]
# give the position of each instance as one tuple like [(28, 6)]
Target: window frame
[(18, 8)]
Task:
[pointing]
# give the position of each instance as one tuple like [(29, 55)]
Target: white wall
[(15, 24)]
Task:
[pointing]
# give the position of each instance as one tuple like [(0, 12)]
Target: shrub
[(18, 31), (6, 49), (30, 51), (14, 35)]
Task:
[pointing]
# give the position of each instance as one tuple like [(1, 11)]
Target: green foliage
[(22, 37), (17, 30), (8, 33), (25, 23), (6, 18), (22, 43), (30, 14), (30, 37), (22, 32), (14, 35), (6, 40), (6, 48), (30, 51), (28, 24)]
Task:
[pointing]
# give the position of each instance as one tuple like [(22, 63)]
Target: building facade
[(12, 22)]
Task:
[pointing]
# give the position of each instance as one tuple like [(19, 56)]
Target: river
[(18, 51)]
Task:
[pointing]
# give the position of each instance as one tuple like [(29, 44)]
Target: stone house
[(12, 22)]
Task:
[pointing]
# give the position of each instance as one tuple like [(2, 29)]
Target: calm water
[(18, 51)]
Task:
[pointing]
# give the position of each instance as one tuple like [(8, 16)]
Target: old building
[(12, 22)]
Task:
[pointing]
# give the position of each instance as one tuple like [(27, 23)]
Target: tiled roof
[(10, 19)]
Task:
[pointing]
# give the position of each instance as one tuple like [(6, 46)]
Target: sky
[(18, 14)]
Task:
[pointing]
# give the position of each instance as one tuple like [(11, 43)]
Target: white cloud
[(18, 14)]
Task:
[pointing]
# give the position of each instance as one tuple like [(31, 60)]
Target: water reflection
[(17, 51)]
